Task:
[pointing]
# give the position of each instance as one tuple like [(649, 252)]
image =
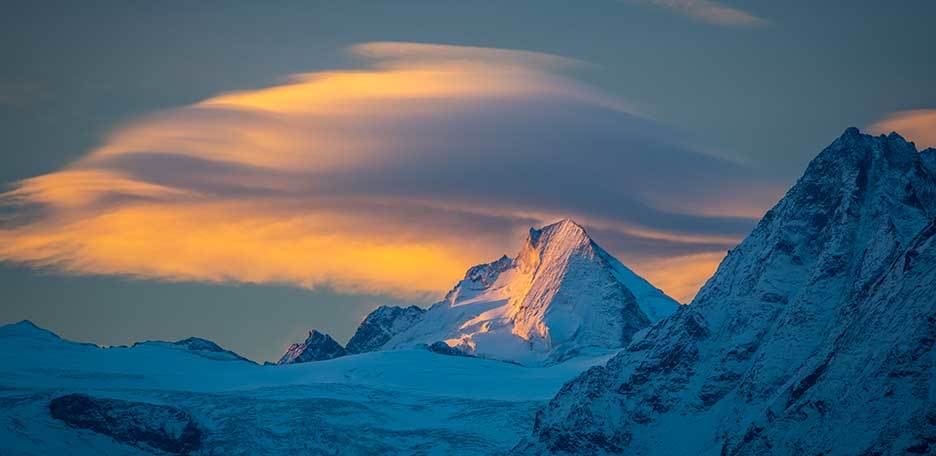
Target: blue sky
[(665, 126)]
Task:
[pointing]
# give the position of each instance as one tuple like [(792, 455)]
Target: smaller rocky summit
[(317, 347), (381, 325), (443, 348), (147, 426)]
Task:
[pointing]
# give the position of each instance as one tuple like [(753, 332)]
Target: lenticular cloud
[(390, 179)]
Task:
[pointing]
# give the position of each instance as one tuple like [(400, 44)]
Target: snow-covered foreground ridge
[(389, 402), (562, 295), (814, 336)]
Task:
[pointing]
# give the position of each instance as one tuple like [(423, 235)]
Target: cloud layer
[(391, 179)]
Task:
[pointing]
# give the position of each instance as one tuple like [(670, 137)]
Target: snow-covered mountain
[(317, 347), (560, 295), (814, 336)]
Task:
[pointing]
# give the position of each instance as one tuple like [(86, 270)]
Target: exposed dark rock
[(381, 325), (317, 347), (160, 427), (443, 348), (814, 336)]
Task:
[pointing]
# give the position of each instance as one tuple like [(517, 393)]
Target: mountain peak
[(786, 338), (552, 243), (317, 347), (865, 190), (851, 132), (25, 324), (854, 134), (197, 346), (563, 230), (380, 325), (559, 295), (26, 328), (856, 145)]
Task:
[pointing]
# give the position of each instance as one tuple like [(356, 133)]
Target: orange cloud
[(255, 242), (681, 277), (917, 125), (392, 179)]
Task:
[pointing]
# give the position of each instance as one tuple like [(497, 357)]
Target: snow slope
[(815, 335), (394, 402), (560, 296)]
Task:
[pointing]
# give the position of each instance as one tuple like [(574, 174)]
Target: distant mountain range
[(814, 336)]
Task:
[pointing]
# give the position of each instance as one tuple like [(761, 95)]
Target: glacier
[(387, 402)]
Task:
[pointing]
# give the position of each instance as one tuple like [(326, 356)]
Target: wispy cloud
[(711, 12), (917, 125), (391, 179), (19, 94)]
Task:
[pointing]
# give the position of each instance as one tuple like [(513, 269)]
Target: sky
[(245, 172)]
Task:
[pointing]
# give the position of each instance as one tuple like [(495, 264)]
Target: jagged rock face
[(317, 347), (815, 335), (560, 295), (382, 324), (928, 157), (870, 388), (148, 426)]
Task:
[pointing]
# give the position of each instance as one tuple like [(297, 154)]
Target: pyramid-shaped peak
[(560, 296), (552, 243), (566, 224), (563, 231)]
